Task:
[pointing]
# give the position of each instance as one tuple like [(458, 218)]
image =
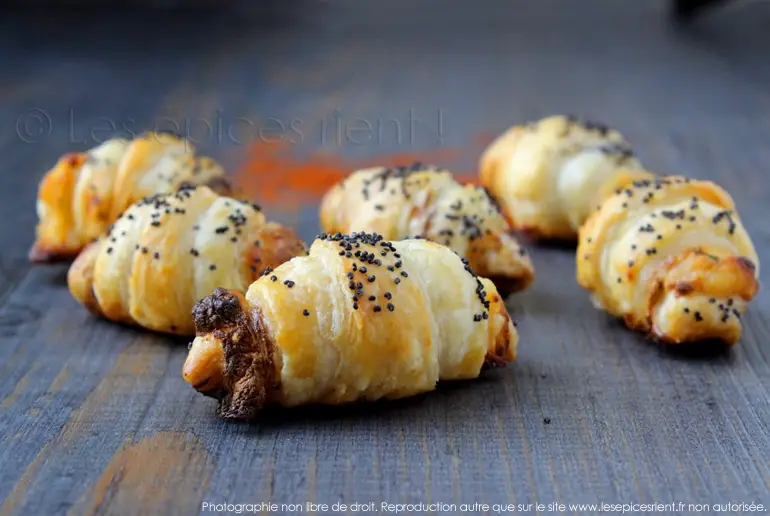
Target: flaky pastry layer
[(551, 174), (672, 258), (359, 318), (424, 200)]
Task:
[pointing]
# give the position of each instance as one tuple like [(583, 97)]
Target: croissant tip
[(220, 308), (746, 264), (41, 255)]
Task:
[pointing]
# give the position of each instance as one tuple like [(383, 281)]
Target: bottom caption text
[(482, 508)]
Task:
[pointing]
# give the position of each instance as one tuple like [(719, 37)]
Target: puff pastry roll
[(550, 175), (672, 258), (170, 250), (359, 318), (86, 192), (423, 200)]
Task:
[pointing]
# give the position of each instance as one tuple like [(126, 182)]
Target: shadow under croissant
[(448, 396), (55, 273), (712, 350)]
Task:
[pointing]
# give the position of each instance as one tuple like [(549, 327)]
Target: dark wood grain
[(96, 419)]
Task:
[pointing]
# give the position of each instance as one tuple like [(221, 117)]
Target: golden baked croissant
[(86, 192), (550, 175), (423, 200), (672, 258), (170, 250), (359, 318)]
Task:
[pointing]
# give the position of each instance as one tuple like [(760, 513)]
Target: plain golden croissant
[(359, 318), (170, 250), (672, 258), (86, 192), (423, 200), (550, 175)]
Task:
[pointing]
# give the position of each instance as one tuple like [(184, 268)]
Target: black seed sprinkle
[(485, 316), (156, 255), (686, 310), (109, 250), (350, 275), (144, 250), (363, 270), (305, 312), (391, 307), (397, 281), (212, 267), (404, 274), (274, 278), (476, 318), (289, 283), (222, 229), (372, 298), (698, 317), (377, 308), (194, 252), (355, 306)]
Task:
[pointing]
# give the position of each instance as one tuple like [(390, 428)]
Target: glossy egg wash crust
[(86, 192), (168, 251), (359, 318), (426, 201), (549, 175), (672, 258)]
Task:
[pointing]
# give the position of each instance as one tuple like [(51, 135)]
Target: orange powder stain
[(272, 173)]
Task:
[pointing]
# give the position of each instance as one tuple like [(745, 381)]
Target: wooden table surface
[(96, 419)]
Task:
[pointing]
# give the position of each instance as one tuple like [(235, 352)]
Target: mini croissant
[(550, 175), (359, 318), (170, 250), (423, 200), (672, 258), (86, 192)]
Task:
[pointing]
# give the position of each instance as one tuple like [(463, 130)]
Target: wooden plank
[(96, 419)]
